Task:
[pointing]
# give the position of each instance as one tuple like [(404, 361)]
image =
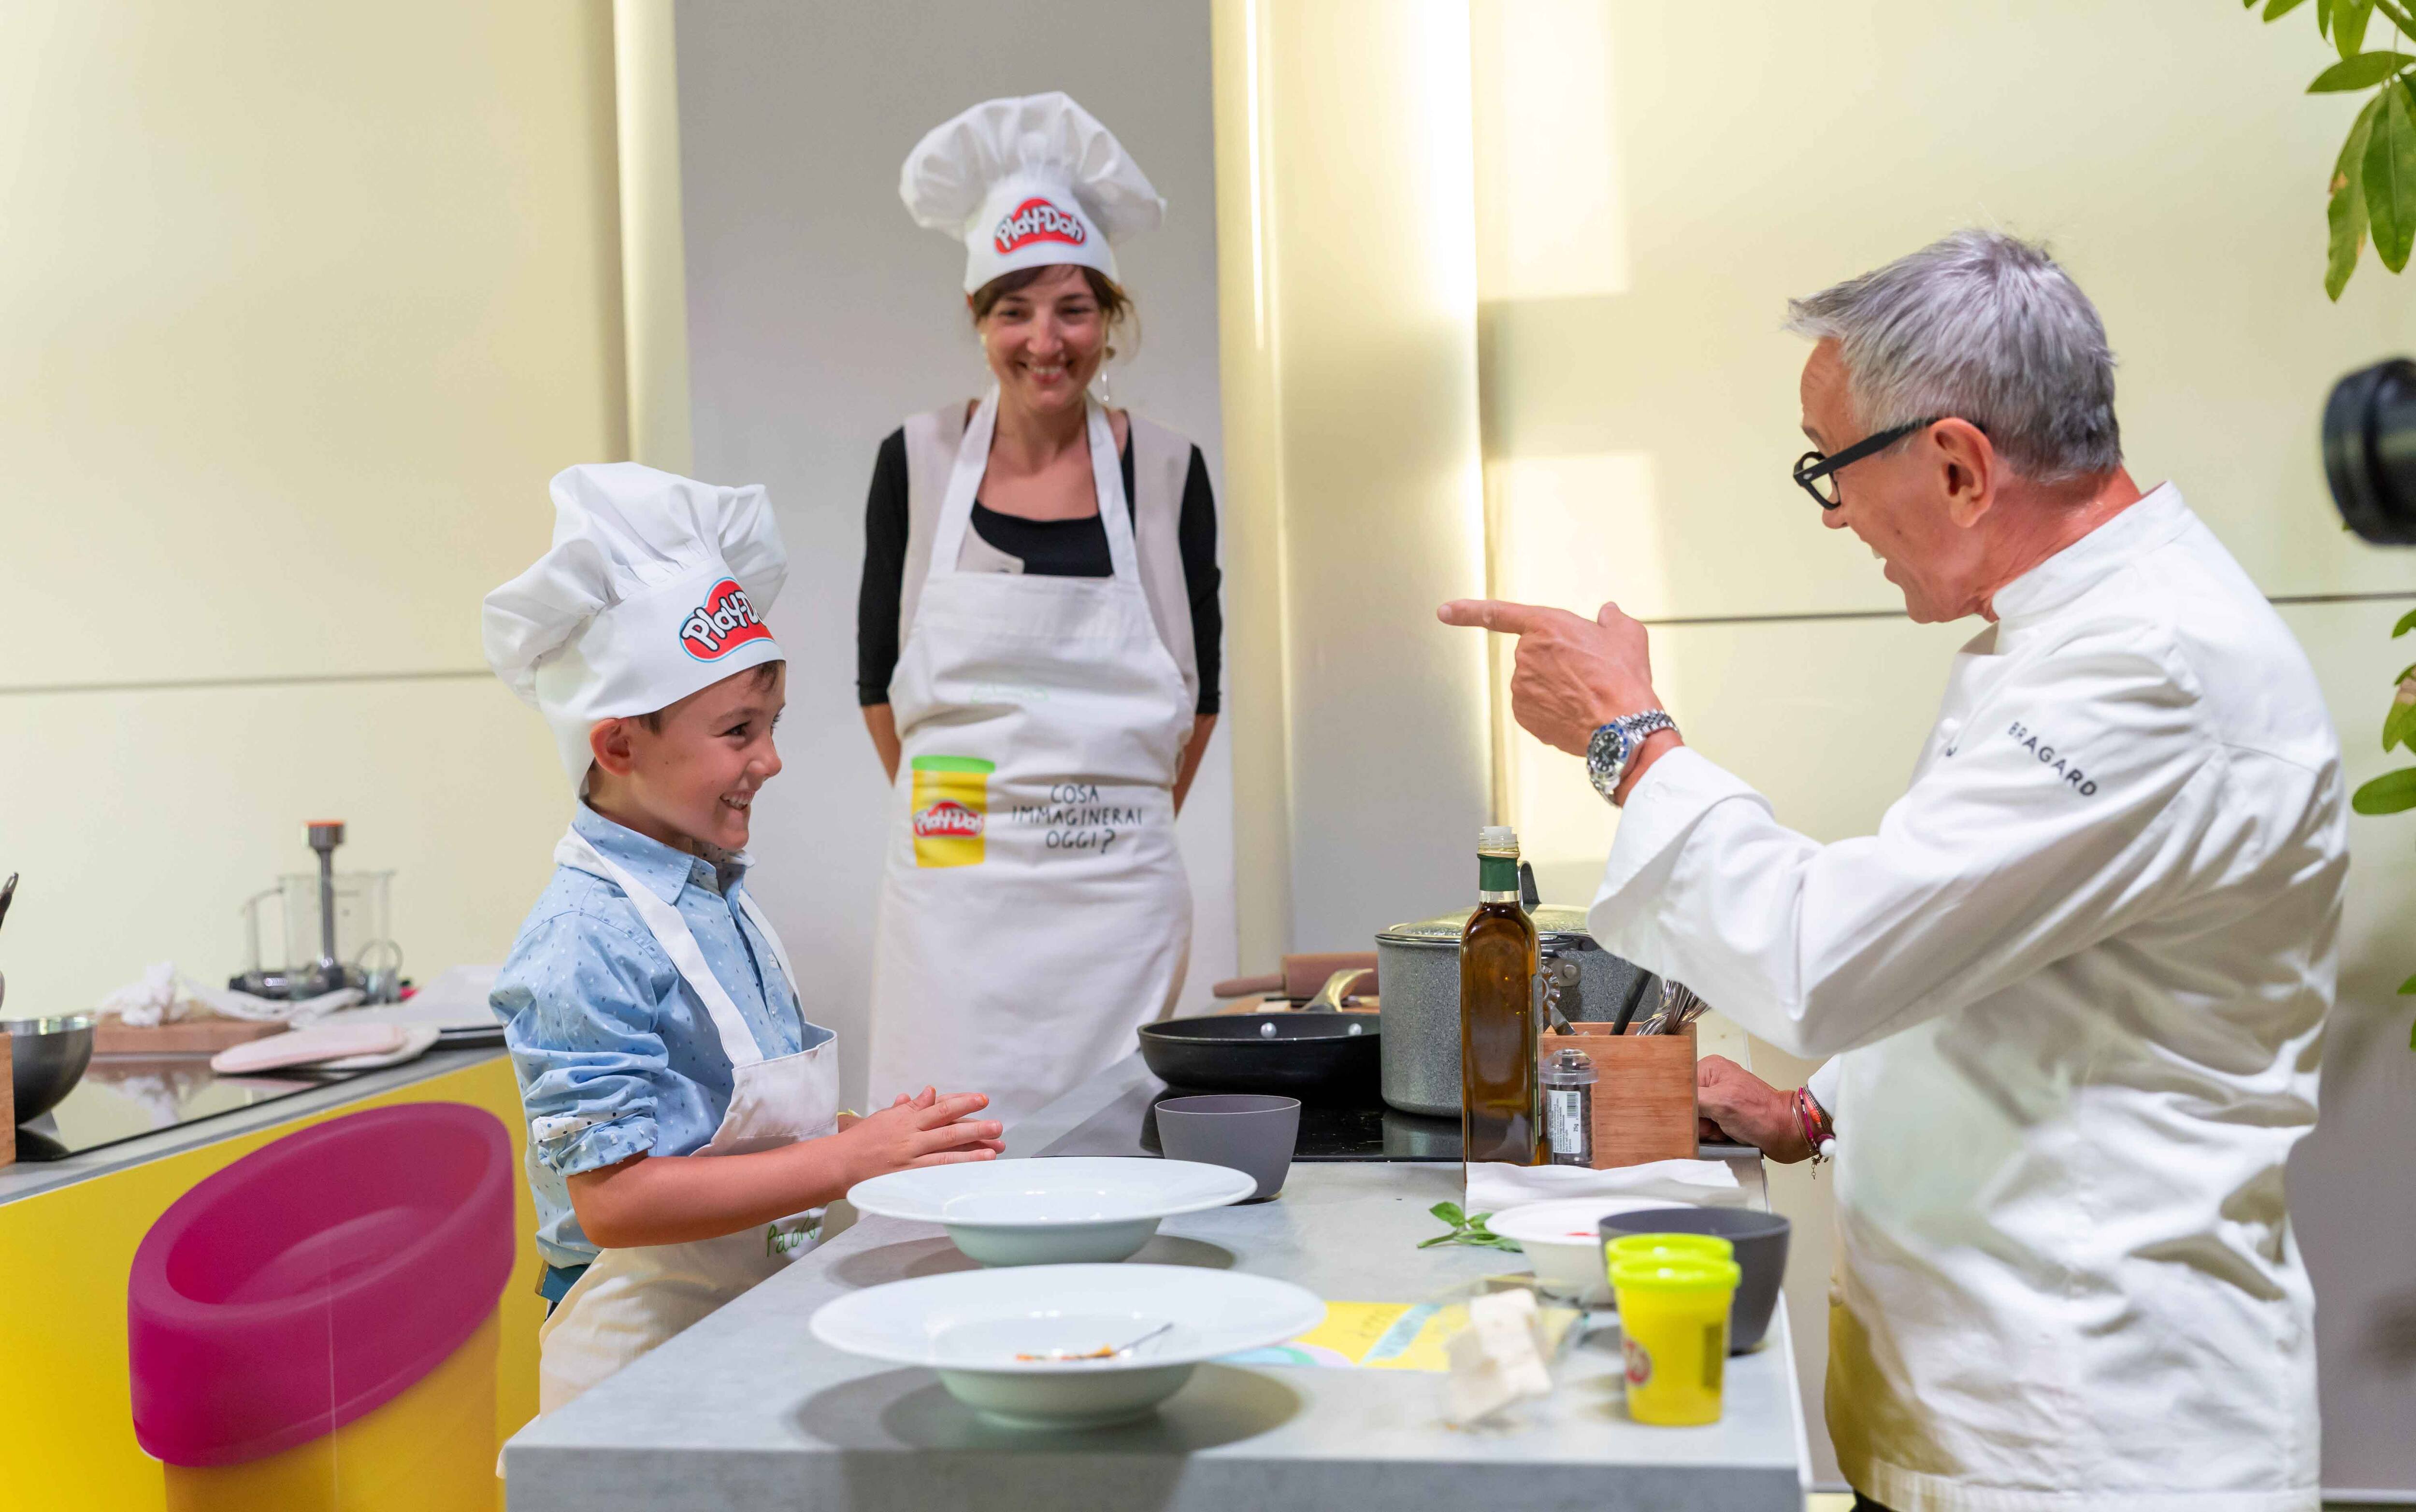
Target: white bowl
[(1050, 1212), (971, 1325), (1562, 1242)]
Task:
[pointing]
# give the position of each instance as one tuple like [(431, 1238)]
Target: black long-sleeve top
[(1048, 547)]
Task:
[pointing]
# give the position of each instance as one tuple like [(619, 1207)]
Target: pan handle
[(1329, 998)]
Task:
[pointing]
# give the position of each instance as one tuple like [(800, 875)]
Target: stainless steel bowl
[(47, 1057)]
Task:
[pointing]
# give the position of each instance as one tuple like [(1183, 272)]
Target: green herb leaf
[(2364, 72), (2391, 793), (2276, 10), (2348, 26), (2324, 18), (2408, 988), (2390, 180), (2406, 623), (1466, 1228)]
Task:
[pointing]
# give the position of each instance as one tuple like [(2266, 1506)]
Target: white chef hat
[(656, 586), (1028, 183)]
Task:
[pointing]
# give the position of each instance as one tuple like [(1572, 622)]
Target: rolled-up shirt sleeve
[(2073, 799), (578, 1001)]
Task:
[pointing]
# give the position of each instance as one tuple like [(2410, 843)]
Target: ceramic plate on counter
[(1034, 1346), (1561, 1241), (1048, 1212)]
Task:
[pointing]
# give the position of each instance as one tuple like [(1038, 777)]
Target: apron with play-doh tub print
[(1034, 911), (630, 1300)]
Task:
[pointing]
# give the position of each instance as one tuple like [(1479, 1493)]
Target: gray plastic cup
[(1760, 1241), (1250, 1132)]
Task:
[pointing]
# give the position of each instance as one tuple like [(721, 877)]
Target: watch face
[(1608, 748)]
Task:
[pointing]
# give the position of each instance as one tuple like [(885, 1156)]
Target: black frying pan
[(1317, 1057)]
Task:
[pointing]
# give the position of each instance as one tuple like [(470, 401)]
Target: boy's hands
[(924, 1130)]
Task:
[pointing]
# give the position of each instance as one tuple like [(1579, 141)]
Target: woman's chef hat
[(1028, 183), (656, 586)]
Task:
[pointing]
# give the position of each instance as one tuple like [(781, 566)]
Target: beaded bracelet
[(1814, 1121)]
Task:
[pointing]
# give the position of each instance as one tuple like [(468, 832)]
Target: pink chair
[(318, 1279)]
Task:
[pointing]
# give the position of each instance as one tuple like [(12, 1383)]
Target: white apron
[(630, 1300), (1034, 911)]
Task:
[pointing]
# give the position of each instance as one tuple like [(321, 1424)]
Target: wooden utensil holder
[(1643, 1092)]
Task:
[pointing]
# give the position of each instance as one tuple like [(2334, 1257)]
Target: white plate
[(1048, 1212), (970, 1326), (1562, 1242)]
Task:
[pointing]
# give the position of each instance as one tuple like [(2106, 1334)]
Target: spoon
[(1053, 1356), (8, 891)]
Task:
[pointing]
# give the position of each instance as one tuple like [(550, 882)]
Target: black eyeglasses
[(1818, 471)]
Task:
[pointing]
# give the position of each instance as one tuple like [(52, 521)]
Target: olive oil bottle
[(1498, 1077)]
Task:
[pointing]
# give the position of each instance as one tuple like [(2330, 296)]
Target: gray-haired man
[(2075, 984)]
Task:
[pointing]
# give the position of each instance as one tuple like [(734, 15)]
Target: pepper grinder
[(329, 974)]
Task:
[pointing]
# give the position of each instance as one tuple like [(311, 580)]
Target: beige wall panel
[(1825, 717), (1371, 303), (301, 306), (140, 821), (1641, 245)]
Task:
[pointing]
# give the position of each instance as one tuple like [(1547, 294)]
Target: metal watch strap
[(1633, 731)]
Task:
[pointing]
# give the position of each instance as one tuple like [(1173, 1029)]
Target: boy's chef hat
[(1027, 183), (656, 586)]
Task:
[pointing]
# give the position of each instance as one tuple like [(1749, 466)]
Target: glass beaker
[(362, 922)]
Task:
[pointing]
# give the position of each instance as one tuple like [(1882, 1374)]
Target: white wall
[(820, 316), (299, 307)]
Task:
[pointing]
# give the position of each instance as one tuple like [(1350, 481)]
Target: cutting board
[(208, 1036)]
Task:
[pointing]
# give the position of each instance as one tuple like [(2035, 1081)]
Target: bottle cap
[(1574, 1065), (1497, 840)]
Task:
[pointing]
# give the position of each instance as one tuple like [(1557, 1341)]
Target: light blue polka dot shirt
[(615, 1053)]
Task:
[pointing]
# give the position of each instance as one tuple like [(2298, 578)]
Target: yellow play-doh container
[(1667, 1247), (951, 809), (1673, 1327)]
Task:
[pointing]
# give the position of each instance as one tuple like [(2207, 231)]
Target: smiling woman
[(1038, 616)]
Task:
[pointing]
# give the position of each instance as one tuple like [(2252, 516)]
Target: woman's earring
[(1100, 388)]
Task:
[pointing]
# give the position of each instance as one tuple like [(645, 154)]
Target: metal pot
[(1419, 966), (47, 1057)]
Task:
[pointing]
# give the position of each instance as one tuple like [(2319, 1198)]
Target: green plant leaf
[(2364, 72), (2408, 988), (2276, 10), (2348, 26), (2324, 18), (2391, 179), (2406, 623), (1449, 1213), (2389, 793), (2399, 725), (2346, 211)]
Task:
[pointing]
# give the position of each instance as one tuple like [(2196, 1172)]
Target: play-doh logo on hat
[(1036, 221), (948, 819), (725, 620)]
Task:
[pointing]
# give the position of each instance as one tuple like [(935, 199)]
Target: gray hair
[(1986, 327)]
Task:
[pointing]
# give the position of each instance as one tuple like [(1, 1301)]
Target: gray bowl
[(47, 1057), (1760, 1241), (1250, 1132)]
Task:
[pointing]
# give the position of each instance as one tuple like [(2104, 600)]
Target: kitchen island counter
[(746, 1410)]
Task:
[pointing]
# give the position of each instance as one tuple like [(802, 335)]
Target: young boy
[(683, 1114)]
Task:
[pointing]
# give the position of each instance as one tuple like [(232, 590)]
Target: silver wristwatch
[(1614, 746)]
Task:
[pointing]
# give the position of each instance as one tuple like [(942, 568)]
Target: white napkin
[(1493, 1186), (162, 997), (453, 998)]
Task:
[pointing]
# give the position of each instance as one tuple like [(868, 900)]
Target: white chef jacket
[(2078, 980)]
